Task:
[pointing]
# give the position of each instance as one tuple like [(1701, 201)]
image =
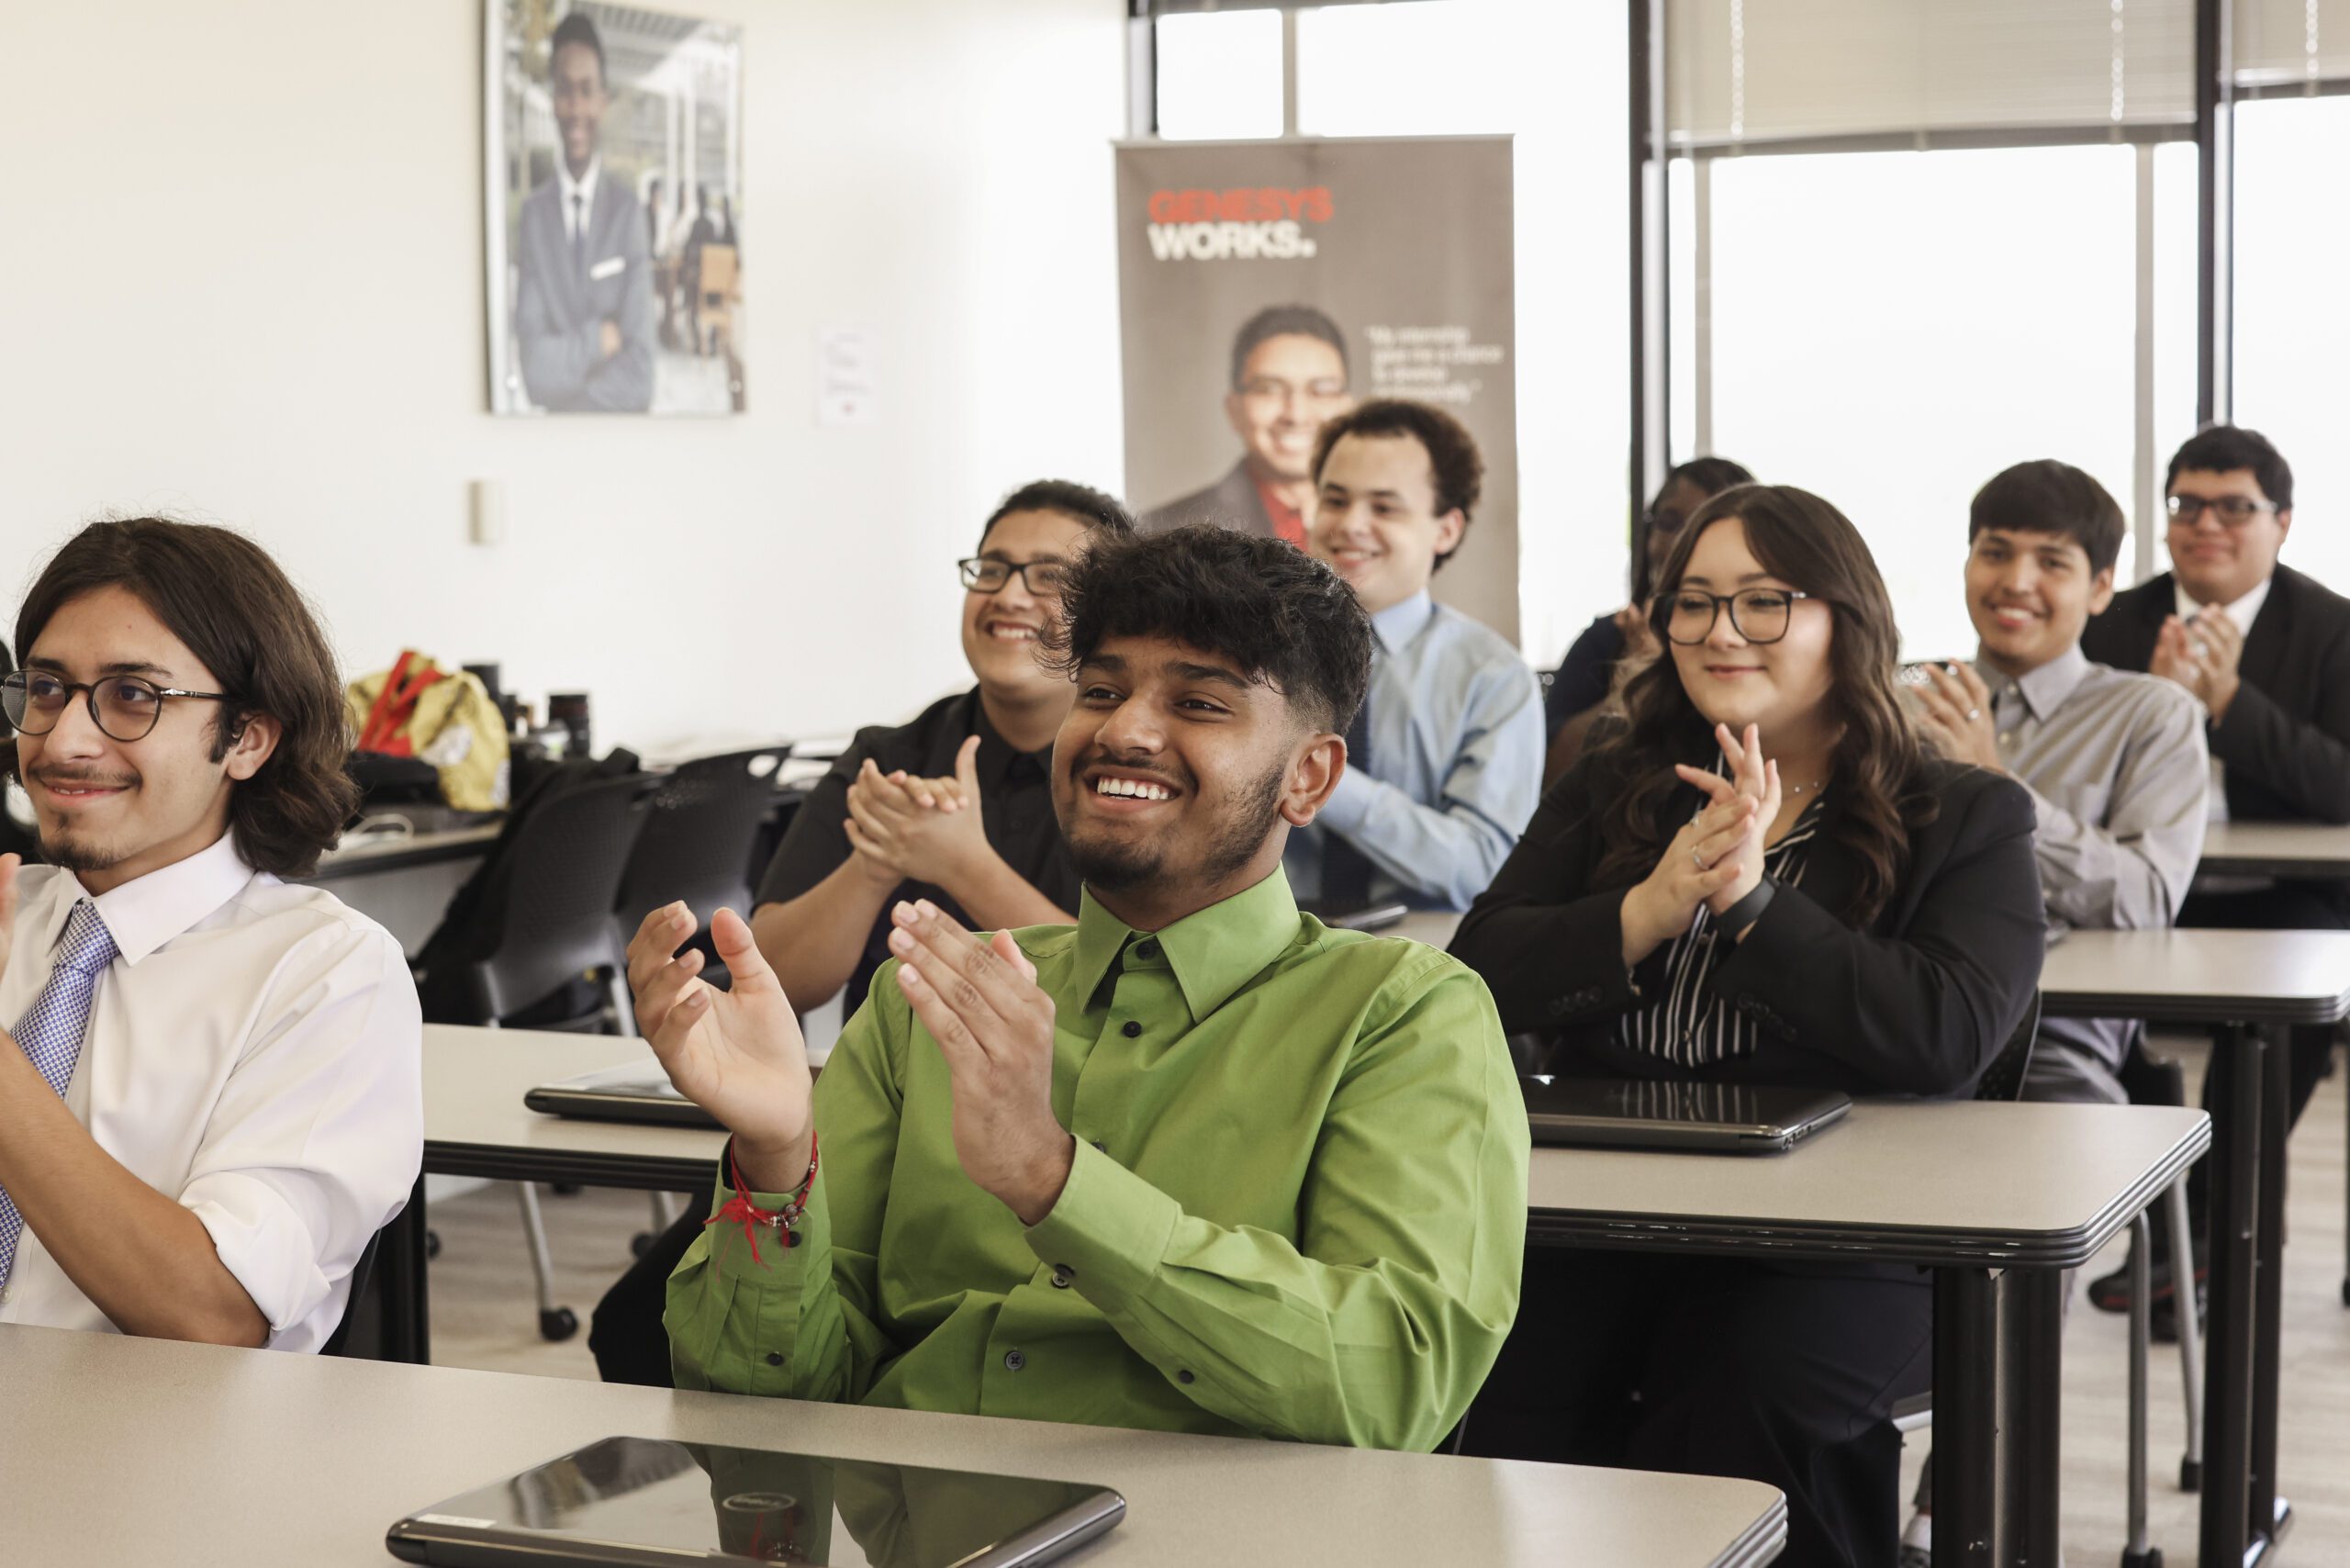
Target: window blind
[(2283, 44), (1751, 73)]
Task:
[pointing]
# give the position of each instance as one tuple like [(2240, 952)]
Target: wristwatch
[(1746, 911)]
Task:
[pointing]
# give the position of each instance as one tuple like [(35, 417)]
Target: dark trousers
[(1775, 1372), (625, 1334), (2289, 906)]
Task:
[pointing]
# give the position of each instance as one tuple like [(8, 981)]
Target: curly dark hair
[(1286, 620), (1877, 793), (1098, 510), (220, 593), (1458, 467)]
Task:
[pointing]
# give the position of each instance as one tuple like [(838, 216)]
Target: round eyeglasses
[(124, 707), (983, 573), (1758, 615)]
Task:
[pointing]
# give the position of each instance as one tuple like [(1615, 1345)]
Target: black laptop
[(1721, 1118), (640, 1091), (628, 1502)]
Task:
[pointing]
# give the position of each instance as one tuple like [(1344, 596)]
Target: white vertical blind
[(2282, 43), (1757, 72)]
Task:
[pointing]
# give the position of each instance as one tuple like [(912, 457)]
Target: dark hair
[(220, 593), (1453, 459), (2223, 449), (580, 29), (1283, 321), (1711, 475), (2048, 496), (1285, 619), (1879, 795), (1098, 510)]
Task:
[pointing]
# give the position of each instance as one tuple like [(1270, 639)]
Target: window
[(2292, 311), (1219, 76)]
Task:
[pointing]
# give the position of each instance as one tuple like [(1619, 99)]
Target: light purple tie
[(51, 1032)]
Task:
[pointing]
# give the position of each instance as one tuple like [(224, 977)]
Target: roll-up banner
[(1266, 286)]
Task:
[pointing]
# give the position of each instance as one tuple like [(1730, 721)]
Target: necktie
[(579, 235), (51, 1032), (1346, 870)]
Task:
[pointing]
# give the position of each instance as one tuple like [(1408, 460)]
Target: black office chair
[(354, 1305), (527, 937), (696, 845)]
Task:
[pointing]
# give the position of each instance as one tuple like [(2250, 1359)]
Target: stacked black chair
[(527, 939)]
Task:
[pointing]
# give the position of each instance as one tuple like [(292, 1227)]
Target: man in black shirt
[(955, 807), (2266, 650)]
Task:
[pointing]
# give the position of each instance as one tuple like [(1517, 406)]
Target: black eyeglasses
[(122, 706), (983, 575), (1759, 615), (2233, 511)]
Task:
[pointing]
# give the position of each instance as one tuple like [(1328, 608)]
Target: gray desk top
[(117, 1450), (2199, 977), (2316, 850), (378, 852), (476, 1122), (1894, 1182)]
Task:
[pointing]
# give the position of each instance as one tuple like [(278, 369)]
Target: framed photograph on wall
[(613, 158)]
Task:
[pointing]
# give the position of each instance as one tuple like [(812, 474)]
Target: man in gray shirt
[(2115, 761)]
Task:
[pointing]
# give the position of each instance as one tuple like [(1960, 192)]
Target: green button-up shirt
[(1298, 1206)]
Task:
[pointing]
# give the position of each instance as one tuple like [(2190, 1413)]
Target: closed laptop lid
[(650, 1501), (638, 1091), (1651, 1113)]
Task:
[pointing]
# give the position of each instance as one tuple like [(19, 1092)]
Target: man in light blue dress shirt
[(1445, 762)]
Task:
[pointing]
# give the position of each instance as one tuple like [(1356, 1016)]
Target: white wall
[(243, 283)]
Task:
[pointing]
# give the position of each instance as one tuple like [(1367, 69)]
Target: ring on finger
[(1697, 858), (1973, 715)]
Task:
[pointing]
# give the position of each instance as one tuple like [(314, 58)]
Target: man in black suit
[(583, 312), (2267, 652), (1289, 378)]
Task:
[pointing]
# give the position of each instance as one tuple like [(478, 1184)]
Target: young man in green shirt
[(1195, 1163)]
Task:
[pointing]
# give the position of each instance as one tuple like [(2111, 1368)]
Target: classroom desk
[(1997, 1199), (2318, 852), (2241, 981), (404, 883), (133, 1451)]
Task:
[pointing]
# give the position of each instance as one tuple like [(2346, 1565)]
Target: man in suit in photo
[(1289, 378), (584, 313), (2267, 651)]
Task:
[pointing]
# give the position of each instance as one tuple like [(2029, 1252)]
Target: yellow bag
[(417, 708)]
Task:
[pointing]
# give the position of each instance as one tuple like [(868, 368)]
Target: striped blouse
[(1688, 1024)]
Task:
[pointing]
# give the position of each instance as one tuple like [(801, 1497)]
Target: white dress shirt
[(2244, 612), (255, 1051), (583, 209)]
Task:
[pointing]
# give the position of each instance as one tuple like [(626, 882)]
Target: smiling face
[(1290, 388), (2216, 562), (112, 810), (1780, 686), (577, 85), (1375, 518), (1001, 629), (2029, 594), (1174, 774)]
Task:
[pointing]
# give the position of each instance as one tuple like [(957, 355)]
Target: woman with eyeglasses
[(1760, 878), (1580, 688)]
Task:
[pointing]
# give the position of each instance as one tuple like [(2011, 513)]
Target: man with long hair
[(209, 1092), (1195, 1163)]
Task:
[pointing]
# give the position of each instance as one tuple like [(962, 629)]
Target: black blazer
[(1917, 1003), (2285, 739)]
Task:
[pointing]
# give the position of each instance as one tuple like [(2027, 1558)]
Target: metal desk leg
[(1966, 1456), (399, 1265), (2031, 1381), (2137, 1552), (2226, 1526), (2269, 1513)]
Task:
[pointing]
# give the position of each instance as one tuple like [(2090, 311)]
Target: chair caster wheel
[(2150, 1558), (2346, 1293), (2190, 1475), (639, 1244), (433, 1244), (563, 1189), (558, 1324)]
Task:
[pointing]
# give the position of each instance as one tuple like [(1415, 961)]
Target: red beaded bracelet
[(739, 1208)]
